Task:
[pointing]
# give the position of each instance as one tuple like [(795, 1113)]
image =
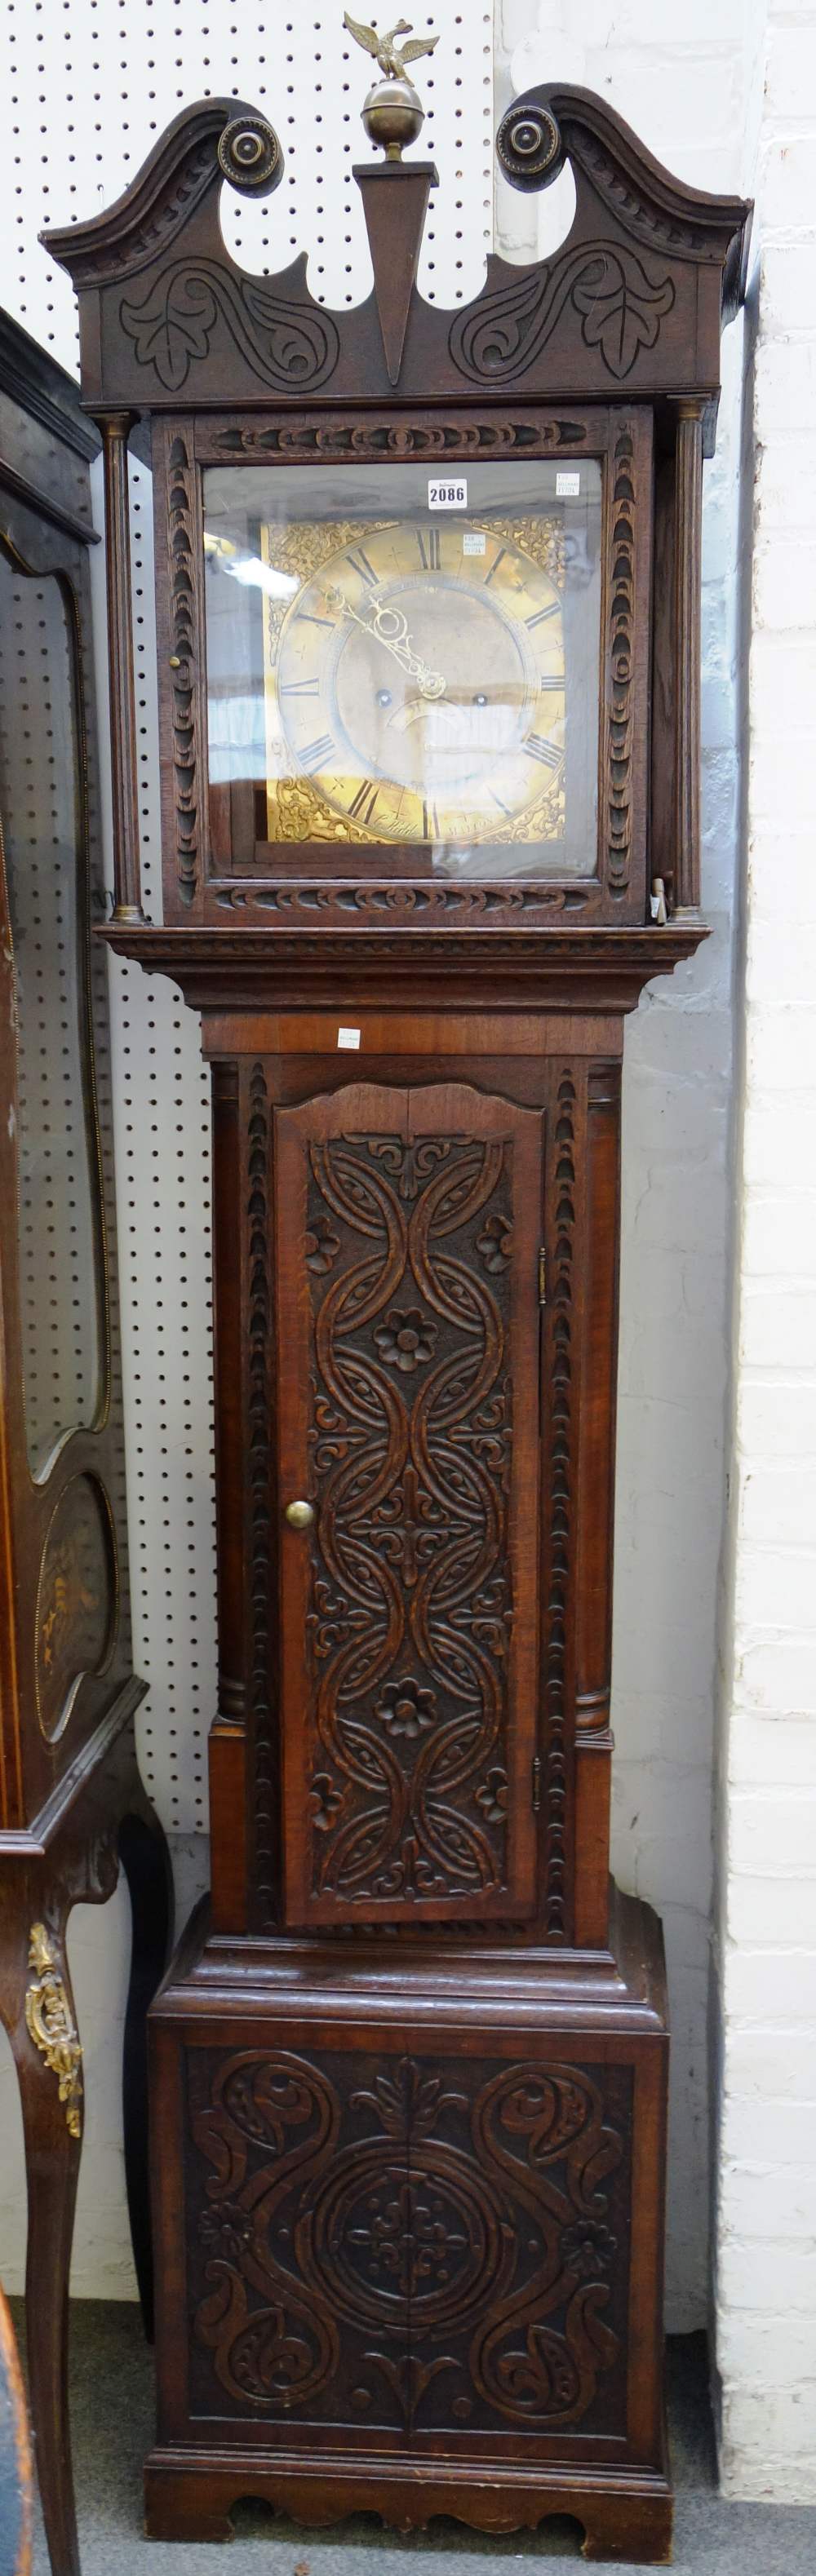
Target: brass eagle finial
[(392, 112), (391, 60)]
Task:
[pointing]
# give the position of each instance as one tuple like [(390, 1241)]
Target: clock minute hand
[(390, 627)]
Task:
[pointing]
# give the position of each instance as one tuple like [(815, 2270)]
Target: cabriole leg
[(146, 1862), (47, 2052)]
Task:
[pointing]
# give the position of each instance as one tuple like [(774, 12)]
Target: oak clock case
[(428, 638), (442, 697), (72, 1805), (417, 680)]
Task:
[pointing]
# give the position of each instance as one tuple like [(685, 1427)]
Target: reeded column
[(595, 1500), (124, 777), (688, 514)]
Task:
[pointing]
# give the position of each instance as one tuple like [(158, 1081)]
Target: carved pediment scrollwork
[(620, 306), (176, 311), (285, 344)]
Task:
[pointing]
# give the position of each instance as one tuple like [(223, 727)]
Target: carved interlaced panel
[(406, 2246), (409, 1248), (409, 1273)]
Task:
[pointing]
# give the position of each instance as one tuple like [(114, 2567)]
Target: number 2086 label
[(447, 493)]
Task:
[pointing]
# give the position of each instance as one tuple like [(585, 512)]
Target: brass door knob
[(300, 1515)]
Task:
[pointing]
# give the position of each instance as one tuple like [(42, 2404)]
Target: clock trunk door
[(408, 1225)]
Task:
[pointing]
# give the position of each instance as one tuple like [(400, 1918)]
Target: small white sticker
[(447, 493), (474, 541), (348, 1037), (567, 487)]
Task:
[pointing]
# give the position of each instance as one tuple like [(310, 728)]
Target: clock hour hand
[(390, 627)]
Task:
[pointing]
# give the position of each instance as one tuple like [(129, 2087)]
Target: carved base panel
[(409, 2217), (622, 2516)]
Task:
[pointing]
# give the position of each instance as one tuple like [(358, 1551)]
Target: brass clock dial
[(419, 686)]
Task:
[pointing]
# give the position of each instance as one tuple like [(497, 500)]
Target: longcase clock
[(428, 630)]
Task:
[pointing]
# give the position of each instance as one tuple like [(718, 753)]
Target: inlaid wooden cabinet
[(430, 823), (72, 1804)]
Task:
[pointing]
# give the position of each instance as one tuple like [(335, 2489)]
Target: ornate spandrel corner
[(51, 2025)]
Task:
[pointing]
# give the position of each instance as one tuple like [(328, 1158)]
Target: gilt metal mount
[(51, 2025)]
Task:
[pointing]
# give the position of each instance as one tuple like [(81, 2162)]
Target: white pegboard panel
[(59, 1241), (161, 1097), (87, 86)]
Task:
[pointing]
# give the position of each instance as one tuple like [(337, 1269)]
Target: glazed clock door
[(408, 1331), (379, 679)]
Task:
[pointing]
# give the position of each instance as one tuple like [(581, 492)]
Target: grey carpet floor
[(112, 2422)]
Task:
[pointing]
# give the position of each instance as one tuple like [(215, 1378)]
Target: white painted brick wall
[(765, 2280), (683, 79), (728, 98)]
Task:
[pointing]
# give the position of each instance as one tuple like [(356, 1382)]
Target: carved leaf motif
[(286, 344), (172, 328), (621, 311), (408, 2102), (502, 334)]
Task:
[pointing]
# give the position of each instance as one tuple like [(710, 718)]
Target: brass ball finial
[(392, 113)]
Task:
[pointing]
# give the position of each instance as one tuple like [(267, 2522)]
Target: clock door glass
[(414, 677)]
